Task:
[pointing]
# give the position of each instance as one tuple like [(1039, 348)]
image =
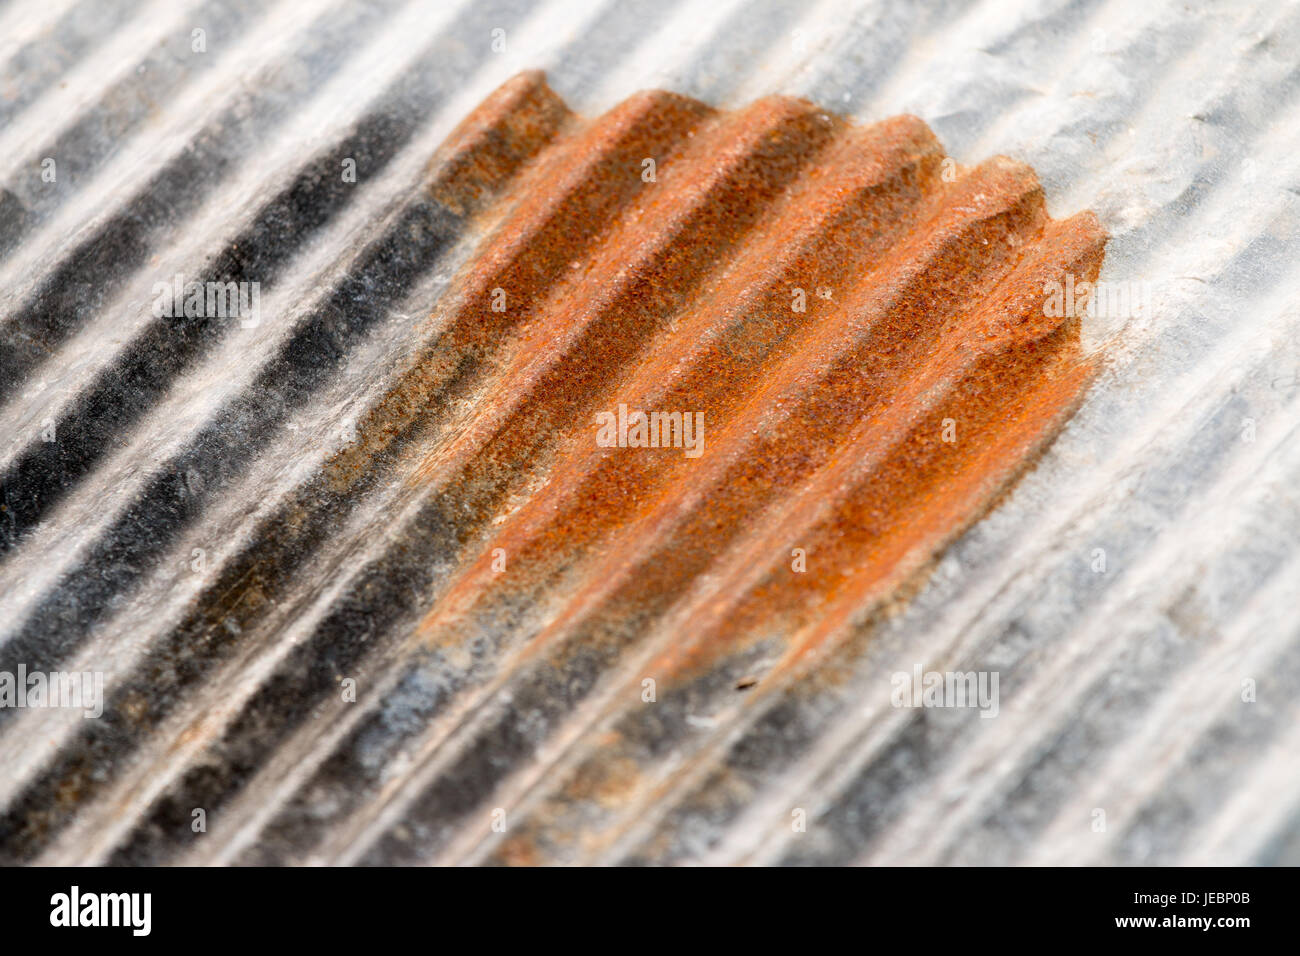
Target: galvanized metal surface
[(228, 521)]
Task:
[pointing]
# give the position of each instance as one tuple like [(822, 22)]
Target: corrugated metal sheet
[(230, 518)]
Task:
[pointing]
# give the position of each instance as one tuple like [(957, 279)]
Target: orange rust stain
[(897, 492), (818, 291), (560, 201), (490, 144)]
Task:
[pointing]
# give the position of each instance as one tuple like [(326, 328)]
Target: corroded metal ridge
[(536, 620)]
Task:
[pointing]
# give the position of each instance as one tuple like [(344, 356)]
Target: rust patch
[(490, 144), (826, 296)]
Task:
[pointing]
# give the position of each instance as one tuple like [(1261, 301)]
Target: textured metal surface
[(227, 519)]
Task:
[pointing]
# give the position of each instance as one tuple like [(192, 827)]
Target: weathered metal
[(392, 474)]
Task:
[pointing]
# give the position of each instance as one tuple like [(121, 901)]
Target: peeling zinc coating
[(383, 570)]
